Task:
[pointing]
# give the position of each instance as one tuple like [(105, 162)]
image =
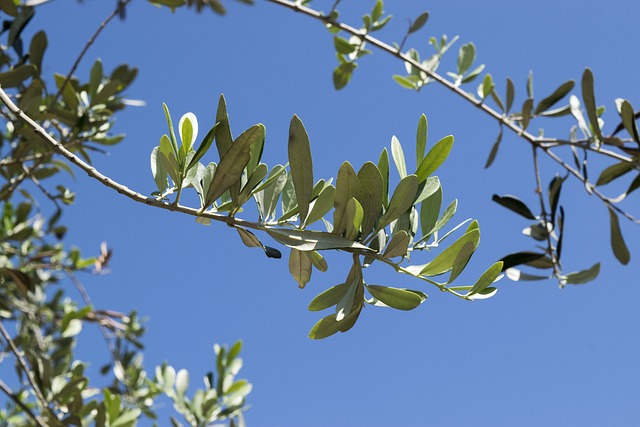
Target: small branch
[(543, 213), (25, 367), (22, 405), (121, 4)]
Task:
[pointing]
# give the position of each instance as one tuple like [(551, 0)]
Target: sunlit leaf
[(435, 157), (400, 299), (401, 201), (301, 165), (398, 157), (487, 278), (447, 259)]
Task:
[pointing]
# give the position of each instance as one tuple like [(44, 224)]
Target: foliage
[(54, 123)]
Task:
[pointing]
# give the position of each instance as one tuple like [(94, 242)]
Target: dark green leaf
[(494, 150), (301, 165), (514, 204), (329, 298), (555, 186), (629, 120), (518, 258), (510, 94), (556, 96), (614, 172), (370, 196), (420, 21), (343, 46), (16, 76), (589, 99), (398, 245), (526, 113), (347, 187), (583, 276), (232, 164), (618, 245), (401, 201)]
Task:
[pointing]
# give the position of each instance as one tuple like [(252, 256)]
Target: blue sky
[(532, 355)]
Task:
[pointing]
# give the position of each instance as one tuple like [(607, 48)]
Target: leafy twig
[(22, 405)]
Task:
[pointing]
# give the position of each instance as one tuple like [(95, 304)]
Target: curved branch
[(544, 143)]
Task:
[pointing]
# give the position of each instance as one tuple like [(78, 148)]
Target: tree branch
[(22, 405)]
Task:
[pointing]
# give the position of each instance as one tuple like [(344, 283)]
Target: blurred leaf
[(420, 21), (526, 113), (518, 258), (517, 275), (629, 120), (514, 204), (589, 99), (466, 56), (301, 165), (435, 157), (556, 96), (530, 85), (400, 299), (583, 276), (510, 94), (300, 267), (342, 74), (618, 245), (613, 172), (494, 150), (555, 186), (343, 46)]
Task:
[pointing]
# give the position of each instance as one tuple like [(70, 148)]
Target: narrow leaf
[(299, 267), (436, 156), (400, 299), (556, 96), (514, 204), (589, 99), (301, 165), (618, 245)]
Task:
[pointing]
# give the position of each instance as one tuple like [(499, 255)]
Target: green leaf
[(448, 258), (530, 85), (430, 211), (204, 147), (517, 275), (526, 113), (555, 186), (629, 120), (487, 278), (188, 128), (581, 277), (404, 82), (353, 215), (421, 138), (370, 196), (322, 205), (514, 204), (343, 46), (95, 78), (342, 74), (398, 245), (300, 267), (401, 201), (494, 150), (172, 133), (317, 260), (309, 240), (158, 170), (427, 188), (383, 167), (420, 21), (347, 187), (487, 86), (589, 99), (16, 76), (613, 172), (400, 299), (250, 240), (556, 96), (301, 165), (232, 164), (435, 157), (329, 298), (398, 157), (328, 325), (448, 213), (466, 56), (510, 94), (618, 245)]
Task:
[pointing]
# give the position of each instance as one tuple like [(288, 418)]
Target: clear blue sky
[(533, 355)]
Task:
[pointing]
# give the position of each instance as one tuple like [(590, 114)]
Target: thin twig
[(543, 213), (120, 5), (544, 143), (22, 405), (25, 367)]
